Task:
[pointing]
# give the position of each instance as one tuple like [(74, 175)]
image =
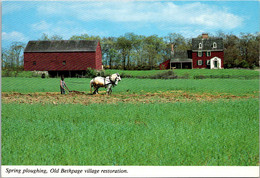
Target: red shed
[(63, 56)]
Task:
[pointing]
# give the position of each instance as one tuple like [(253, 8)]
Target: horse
[(106, 82)]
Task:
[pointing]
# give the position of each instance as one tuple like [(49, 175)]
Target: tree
[(135, 57), (179, 42), (153, 47), (231, 51), (85, 37), (249, 48), (12, 58), (241, 51), (108, 50), (45, 37), (124, 46)]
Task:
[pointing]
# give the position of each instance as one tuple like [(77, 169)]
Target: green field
[(221, 133), (190, 74), (190, 122), (130, 85)]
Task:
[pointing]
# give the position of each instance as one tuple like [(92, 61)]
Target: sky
[(28, 20)]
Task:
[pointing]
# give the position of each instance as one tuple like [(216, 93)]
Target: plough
[(77, 92)]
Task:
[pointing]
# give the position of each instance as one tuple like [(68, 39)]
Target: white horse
[(106, 82)]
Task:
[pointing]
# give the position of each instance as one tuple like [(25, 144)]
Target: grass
[(222, 133), (194, 73), (134, 73), (131, 85), (186, 73)]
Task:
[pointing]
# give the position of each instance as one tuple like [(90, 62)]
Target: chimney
[(172, 51), (205, 36)]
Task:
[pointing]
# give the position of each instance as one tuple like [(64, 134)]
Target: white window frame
[(214, 45), (200, 45), (200, 62), (200, 53), (208, 53)]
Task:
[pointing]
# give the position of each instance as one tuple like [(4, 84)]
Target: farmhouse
[(67, 57), (205, 53)]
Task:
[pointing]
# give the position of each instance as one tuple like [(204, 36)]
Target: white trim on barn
[(215, 63)]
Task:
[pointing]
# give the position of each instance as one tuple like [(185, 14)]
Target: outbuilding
[(66, 57)]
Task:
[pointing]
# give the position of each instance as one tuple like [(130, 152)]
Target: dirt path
[(86, 99)]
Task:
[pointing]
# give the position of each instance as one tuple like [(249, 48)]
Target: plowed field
[(86, 99)]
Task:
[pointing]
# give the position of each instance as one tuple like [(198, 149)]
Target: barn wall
[(165, 65), (54, 61), (98, 63), (204, 58)]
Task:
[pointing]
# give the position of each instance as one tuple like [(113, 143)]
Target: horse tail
[(91, 85)]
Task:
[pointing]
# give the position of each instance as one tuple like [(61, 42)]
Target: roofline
[(97, 42), (204, 50), (209, 38), (56, 51), (180, 61), (62, 40)]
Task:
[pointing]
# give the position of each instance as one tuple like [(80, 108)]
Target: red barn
[(205, 53), (67, 57)]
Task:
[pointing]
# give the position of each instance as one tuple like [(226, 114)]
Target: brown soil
[(85, 99)]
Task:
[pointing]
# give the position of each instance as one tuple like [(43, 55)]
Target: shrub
[(199, 77), (91, 73), (123, 75), (185, 76), (165, 75), (100, 73)]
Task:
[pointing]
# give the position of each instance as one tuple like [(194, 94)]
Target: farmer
[(63, 85)]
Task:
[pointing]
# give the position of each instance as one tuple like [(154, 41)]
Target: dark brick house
[(205, 53), (67, 57)]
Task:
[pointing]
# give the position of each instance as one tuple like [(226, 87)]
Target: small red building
[(67, 57), (205, 53)]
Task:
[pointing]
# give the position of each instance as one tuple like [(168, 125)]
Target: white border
[(132, 171)]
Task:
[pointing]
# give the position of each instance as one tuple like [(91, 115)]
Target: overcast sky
[(28, 20)]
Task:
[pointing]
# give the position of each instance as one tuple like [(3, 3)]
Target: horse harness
[(110, 81)]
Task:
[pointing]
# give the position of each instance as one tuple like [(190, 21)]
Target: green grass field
[(204, 134), (152, 128), (190, 74), (130, 85), (223, 73)]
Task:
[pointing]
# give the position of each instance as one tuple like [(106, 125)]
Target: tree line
[(138, 52)]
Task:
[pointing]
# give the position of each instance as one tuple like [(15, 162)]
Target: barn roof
[(61, 46), (207, 44)]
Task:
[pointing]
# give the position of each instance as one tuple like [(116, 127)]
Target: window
[(208, 53), (214, 45), (208, 62), (200, 53), (64, 63), (200, 45), (200, 62), (34, 63)]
